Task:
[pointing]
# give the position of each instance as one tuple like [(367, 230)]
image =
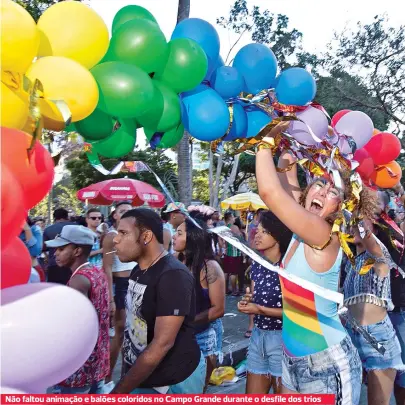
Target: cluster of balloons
[(139, 81), (375, 152), (213, 109)]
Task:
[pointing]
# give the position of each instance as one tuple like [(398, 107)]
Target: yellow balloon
[(19, 37), (73, 30), (66, 80)]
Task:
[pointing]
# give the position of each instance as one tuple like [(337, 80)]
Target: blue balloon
[(204, 113), (204, 34), (256, 120), (239, 123), (227, 81), (220, 62), (258, 66), (295, 86)]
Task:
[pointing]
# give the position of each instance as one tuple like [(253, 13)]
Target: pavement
[(235, 349)]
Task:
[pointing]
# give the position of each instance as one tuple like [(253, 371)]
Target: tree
[(374, 52), (184, 154), (36, 7), (201, 190), (83, 174)]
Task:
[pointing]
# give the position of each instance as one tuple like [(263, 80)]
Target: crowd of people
[(158, 284)]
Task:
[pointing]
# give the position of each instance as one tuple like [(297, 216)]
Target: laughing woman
[(194, 248), (318, 354)]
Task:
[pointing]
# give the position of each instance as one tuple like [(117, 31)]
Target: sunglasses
[(95, 218)]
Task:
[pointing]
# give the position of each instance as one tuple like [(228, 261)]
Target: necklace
[(152, 263)]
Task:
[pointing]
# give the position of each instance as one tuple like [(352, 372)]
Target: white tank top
[(117, 265)]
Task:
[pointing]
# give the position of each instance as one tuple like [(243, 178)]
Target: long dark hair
[(198, 248)]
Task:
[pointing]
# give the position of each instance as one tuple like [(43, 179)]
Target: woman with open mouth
[(318, 355)]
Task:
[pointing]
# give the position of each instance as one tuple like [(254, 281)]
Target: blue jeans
[(191, 385), (398, 322), (265, 352), (210, 340), (95, 388)]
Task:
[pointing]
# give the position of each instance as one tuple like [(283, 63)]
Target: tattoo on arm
[(212, 272)]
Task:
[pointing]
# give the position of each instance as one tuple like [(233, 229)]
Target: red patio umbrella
[(135, 191)]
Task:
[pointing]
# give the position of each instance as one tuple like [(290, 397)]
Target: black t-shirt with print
[(165, 289)]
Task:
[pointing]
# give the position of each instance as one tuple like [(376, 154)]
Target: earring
[(145, 243)]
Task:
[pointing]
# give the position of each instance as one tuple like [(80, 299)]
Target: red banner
[(168, 399)]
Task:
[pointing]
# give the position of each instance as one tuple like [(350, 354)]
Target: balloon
[(13, 213), (256, 120), (186, 66), (383, 148), (205, 114), (344, 146), (67, 80), (151, 117), (376, 131), (314, 120), (239, 124), (295, 86), (8, 390), (131, 12), (258, 66), (15, 264), (387, 176), (169, 139), (338, 116), (19, 37), (98, 125), (204, 34), (366, 167), (120, 143), (125, 90), (227, 82), (74, 30), (141, 43), (220, 62), (357, 125), (34, 174), (14, 106), (171, 115), (28, 320)]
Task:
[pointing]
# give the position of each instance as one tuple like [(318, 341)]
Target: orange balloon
[(376, 131), (387, 176), (33, 172)]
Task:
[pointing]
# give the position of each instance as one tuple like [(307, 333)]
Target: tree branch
[(233, 46)]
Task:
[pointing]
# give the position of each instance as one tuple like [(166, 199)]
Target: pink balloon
[(357, 125), (48, 332), (313, 118)]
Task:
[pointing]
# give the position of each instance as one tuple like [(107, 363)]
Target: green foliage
[(37, 7), (201, 191), (41, 209), (83, 174)]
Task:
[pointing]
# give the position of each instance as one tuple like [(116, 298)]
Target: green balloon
[(120, 143), (125, 90), (171, 115), (170, 138), (98, 125), (140, 43), (129, 13), (151, 117), (186, 66), (70, 128)]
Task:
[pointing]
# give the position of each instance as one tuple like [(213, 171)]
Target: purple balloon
[(313, 118), (357, 125), (48, 332)]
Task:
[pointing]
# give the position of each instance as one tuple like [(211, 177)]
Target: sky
[(316, 19)]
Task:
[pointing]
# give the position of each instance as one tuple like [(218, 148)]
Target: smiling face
[(323, 198)]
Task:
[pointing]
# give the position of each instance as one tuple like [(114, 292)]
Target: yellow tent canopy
[(244, 201)]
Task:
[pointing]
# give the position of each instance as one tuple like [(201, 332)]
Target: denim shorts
[(398, 322), (265, 352), (385, 334), (336, 370), (210, 340), (120, 288)]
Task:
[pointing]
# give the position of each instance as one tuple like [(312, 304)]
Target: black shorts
[(120, 291)]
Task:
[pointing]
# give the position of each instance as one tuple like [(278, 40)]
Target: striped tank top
[(232, 251), (310, 323)]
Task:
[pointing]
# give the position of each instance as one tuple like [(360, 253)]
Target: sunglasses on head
[(95, 218)]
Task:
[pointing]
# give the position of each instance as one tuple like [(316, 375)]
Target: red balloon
[(15, 264), (338, 116), (34, 171), (383, 148), (13, 213), (366, 167)]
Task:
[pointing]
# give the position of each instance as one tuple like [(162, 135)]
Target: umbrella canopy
[(244, 201), (135, 191)]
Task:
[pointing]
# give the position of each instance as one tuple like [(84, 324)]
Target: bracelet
[(263, 145)]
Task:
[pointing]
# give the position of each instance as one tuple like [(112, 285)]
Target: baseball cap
[(75, 234), (176, 206)]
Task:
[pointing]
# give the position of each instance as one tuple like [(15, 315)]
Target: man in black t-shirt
[(160, 350)]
